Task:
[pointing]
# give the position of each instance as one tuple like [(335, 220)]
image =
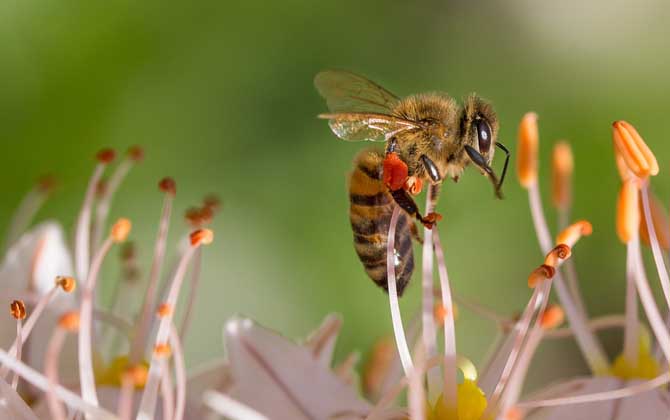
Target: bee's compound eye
[(483, 135)]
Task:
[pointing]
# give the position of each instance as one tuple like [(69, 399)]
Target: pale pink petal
[(12, 405), (322, 341), (281, 379)]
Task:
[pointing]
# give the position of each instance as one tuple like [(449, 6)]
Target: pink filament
[(19, 341), (428, 322), (82, 231), (51, 372)]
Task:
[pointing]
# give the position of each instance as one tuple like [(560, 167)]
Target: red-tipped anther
[(164, 309), (572, 233), (552, 317), (128, 251), (394, 172), (202, 237), (559, 253), (120, 230), (69, 321), (106, 156), (68, 284), (540, 274), (192, 217), (167, 185), (47, 183), (137, 374), (162, 350), (206, 215), (135, 153), (212, 202), (18, 309)]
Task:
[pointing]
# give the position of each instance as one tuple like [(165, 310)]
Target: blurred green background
[(220, 95)]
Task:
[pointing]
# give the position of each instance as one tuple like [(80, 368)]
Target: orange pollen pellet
[(138, 374), (106, 156), (69, 321), (162, 350), (634, 151), (527, 150), (18, 309), (413, 185), (628, 211), (202, 237), (561, 175), (120, 230), (68, 284), (552, 317), (540, 274), (572, 233), (168, 185), (560, 252), (164, 309), (135, 153)]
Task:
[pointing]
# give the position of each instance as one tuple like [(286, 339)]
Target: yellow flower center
[(646, 367), (470, 405), (112, 375)]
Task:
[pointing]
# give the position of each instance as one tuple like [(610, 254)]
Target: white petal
[(283, 380), (322, 341), (12, 405)]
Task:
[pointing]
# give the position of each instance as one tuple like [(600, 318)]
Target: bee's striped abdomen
[(371, 207)]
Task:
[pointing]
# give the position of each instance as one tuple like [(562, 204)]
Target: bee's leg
[(406, 202), (415, 233), (479, 160)]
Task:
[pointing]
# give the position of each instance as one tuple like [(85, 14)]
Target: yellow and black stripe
[(371, 207)]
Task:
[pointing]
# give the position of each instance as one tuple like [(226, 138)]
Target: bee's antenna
[(504, 171), (479, 160)]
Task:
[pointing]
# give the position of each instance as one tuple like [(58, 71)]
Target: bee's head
[(479, 127)]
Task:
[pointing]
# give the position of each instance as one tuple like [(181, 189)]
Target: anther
[(528, 149), (106, 156), (552, 317), (135, 153), (164, 309), (193, 217), (120, 230), (167, 185), (212, 202), (561, 175), (18, 309), (68, 284), (560, 252), (137, 374), (540, 274), (69, 321), (634, 151), (162, 350), (202, 237), (572, 233)]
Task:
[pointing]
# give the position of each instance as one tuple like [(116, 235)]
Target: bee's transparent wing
[(347, 92), (359, 126)]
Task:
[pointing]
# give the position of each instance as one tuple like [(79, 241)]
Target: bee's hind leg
[(407, 203)]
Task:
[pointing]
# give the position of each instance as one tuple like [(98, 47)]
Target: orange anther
[(561, 175), (634, 151), (69, 321), (164, 309), (120, 230), (559, 253), (68, 284), (572, 233), (552, 317), (18, 309), (527, 150), (162, 350), (540, 274), (202, 237)]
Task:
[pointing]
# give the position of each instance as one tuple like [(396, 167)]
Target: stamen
[(18, 311), (230, 408), (527, 150), (558, 255), (149, 397), (661, 224), (82, 231), (428, 324), (655, 246), (167, 392), (570, 235), (28, 208), (69, 322), (180, 373), (396, 318), (450, 387), (212, 202), (562, 165), (624, 173), (134, 155), (68, 397), (540, 274), (195, 280), (416, 396), (634, 151), (68, 284), (169, 187), (628, 211), (119, 232), (164, 309)]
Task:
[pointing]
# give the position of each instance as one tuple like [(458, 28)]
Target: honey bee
[(429, 137)]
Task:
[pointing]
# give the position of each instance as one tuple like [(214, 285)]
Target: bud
[(528, 150), (634, 151)]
